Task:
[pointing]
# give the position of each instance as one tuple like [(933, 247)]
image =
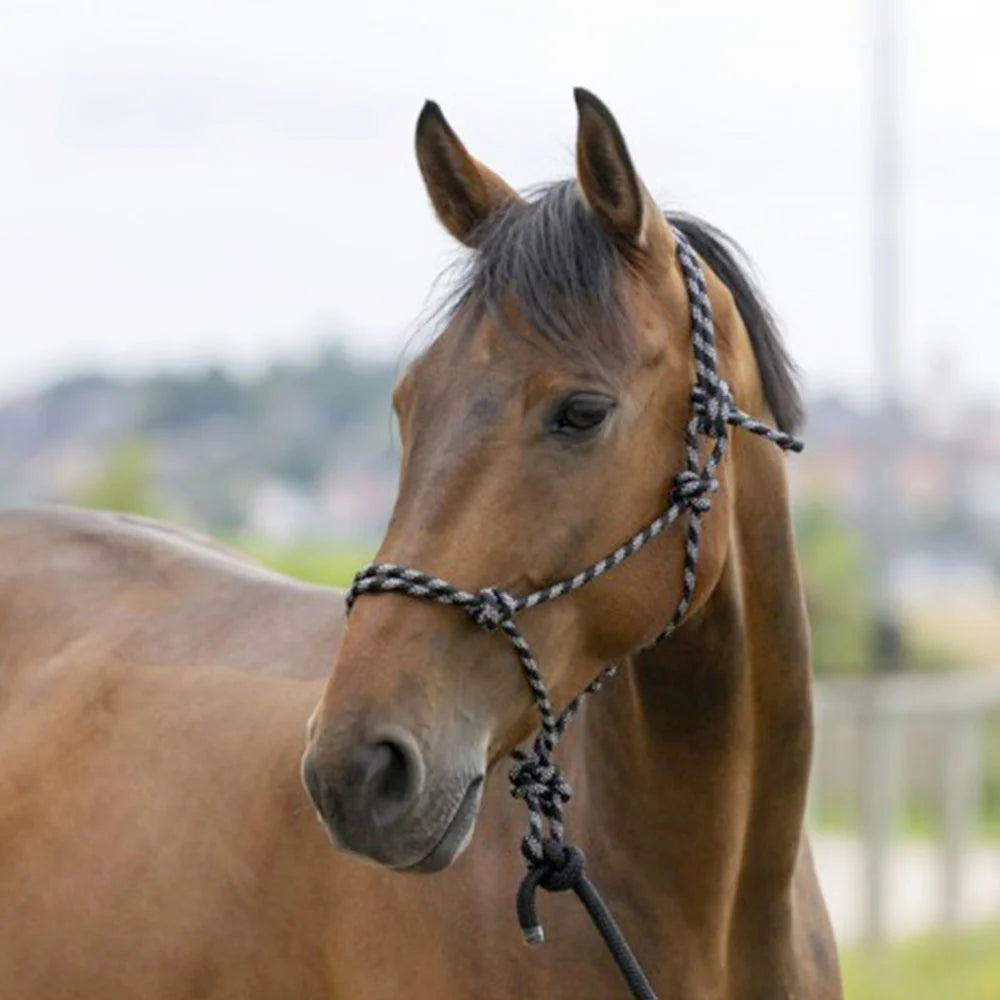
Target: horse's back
[(137, 590)]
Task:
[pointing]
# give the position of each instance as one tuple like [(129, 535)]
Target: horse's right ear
[(464, 192), (607, 178)]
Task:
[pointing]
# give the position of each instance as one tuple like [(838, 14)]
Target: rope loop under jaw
[(541, 786), (551, 864)]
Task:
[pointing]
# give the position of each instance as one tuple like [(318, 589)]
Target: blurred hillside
[(301, 450), (301, 459)]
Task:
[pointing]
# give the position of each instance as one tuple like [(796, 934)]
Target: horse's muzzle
[(376, 801)]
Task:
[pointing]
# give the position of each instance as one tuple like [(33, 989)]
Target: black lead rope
[(562, 869), (551, 864)]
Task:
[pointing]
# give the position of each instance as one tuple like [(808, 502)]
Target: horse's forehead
[(456, 390), (477, 364)]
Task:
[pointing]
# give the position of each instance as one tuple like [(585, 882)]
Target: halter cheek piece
[(552, 864)]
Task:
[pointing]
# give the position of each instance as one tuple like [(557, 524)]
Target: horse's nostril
[(393, 776), (373, 787), (388, 774)]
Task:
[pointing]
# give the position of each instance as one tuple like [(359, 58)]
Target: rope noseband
[(552, 864)]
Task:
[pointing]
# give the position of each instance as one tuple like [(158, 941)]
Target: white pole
[(881, 739), (885, 272), (886, 202)]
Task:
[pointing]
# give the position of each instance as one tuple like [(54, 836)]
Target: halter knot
[(693, 490), (492, 608), (540, 783), (712, 407)]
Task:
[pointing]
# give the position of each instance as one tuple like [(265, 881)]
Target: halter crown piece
[(552, 864)]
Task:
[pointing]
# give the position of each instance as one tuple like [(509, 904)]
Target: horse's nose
[(379, 781)]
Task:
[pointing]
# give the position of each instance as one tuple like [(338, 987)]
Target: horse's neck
[(694, 762)]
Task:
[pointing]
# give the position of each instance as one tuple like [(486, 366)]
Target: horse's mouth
[(457, 834)]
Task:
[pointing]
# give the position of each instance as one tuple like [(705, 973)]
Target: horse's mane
[(778, 374), (562, 268)]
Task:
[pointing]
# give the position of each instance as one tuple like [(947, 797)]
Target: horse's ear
[(605, 173), (464, 192)]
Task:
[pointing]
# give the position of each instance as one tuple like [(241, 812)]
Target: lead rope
[(552, 864)]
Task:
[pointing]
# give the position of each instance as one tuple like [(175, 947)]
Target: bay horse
[(154, 838)]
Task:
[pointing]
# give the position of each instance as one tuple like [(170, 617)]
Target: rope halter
[(534, 778)]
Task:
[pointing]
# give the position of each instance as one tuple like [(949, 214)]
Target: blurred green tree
[(832, 558), (124, 481)]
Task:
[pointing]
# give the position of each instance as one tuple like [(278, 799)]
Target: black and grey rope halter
[(551, 863)]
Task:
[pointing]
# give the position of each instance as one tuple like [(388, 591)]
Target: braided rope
[(534, 778)]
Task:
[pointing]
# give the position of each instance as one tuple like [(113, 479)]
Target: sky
[(190, 182)]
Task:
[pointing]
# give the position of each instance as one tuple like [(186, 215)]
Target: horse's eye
[(580, 413)]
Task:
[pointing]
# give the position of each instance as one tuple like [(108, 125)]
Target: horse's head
[(543, 426)]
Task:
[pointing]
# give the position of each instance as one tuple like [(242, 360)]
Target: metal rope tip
[(533, 935)]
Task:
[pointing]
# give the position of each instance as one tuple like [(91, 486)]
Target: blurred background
[(215, 246)]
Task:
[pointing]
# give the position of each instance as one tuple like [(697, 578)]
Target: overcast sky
[(194, 181)]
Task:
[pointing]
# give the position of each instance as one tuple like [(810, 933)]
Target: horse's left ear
[(464, 192), (605, 173)]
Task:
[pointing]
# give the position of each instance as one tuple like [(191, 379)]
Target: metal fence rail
[(878, 739)]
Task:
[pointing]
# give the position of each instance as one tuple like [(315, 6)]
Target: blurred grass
[(946, 966), (314, 563)]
